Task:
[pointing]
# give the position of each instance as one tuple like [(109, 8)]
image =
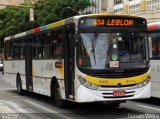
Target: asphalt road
[(35, 106)]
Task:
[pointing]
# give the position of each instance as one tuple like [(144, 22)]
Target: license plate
[(114, 64), (119, 93)]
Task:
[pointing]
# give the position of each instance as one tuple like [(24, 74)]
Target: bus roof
[(153, 26), (61, 23)]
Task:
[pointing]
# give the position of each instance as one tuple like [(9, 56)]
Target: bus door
[(28, 63), (69, 70)]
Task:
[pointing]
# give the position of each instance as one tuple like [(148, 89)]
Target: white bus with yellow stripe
[(154, 45), (86, 58)]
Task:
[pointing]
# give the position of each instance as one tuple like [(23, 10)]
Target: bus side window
[(8, 50), (22, 49), (58, 44), (17, 49), (13, 50), (52, 44), (38, 47), (33, 48), (46, 41)]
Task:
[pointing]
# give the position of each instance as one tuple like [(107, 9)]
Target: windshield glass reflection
[(112, 50)]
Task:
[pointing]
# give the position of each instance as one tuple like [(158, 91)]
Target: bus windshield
[(112, 50)]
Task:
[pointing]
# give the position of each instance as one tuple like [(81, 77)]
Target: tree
[(14, 20), (48, 11)]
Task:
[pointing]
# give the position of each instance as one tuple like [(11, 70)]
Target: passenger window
[(46, 41), (38, 47), (8, 50), (16, 50), (22, 49), (58, 43)]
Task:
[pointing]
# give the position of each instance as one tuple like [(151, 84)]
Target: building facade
[(95, 8), (3, 3), (150, 9)]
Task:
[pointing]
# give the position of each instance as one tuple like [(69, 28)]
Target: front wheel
[(20, 91), (57, 96)]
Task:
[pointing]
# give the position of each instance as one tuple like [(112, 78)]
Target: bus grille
[(123, 86), (110, 95), (118, 96)]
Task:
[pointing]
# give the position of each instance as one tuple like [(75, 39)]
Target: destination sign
[(112, 22)]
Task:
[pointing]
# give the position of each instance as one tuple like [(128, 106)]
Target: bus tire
[(57, 96), (20, 91)]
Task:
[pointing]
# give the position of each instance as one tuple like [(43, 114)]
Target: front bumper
[(84, 94)]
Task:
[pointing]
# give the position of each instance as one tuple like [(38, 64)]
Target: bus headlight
[(144, 83), (81, 79), (86, 83)]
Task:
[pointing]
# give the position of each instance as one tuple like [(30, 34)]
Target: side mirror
[(77, 38)]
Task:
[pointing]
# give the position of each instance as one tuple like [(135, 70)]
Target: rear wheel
[(20, 91), (57, 96)]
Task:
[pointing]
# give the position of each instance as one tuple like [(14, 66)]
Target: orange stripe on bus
[(152, 27)]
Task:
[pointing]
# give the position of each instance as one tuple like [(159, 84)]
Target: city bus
[(86, 58), (154, 46)]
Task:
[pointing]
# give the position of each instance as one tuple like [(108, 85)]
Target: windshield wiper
[(94, 44)]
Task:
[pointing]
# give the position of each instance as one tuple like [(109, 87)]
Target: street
[(35, 106)]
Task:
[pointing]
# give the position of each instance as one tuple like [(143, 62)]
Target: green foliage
[(48, 11), (14, 20)]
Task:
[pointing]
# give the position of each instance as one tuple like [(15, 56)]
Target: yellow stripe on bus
[(115, 81), (56, 24)]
